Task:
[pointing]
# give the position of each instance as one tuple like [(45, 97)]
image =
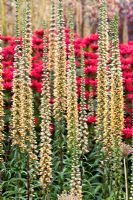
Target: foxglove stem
[(126, 180)]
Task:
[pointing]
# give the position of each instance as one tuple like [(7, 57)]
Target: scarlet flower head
[(128, 133), (91, 119)]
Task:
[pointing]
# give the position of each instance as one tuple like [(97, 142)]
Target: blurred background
[(86, 14)]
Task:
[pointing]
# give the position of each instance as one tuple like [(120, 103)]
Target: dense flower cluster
[(90, 45)]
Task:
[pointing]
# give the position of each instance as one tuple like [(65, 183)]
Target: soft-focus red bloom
[(52, 101), (7, 85), (91, 62), (128, 133), (94, 46), (91, 119), (90, 69), (39, 33), (77, 63), (87, 94), (93, 37), (52, 128), (37, 85), (130, 96), (90, 82), (7, 74), (7, 63), (90, 55), (36, 120), (126, 61), (78, 81)]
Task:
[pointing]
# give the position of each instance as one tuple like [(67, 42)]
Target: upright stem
[(126, 181), (28, 180)]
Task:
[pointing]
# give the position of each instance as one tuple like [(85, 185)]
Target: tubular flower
[(60, 69), (117, 109), (45, 145), (83, 128), (101, 71), (1, 106)]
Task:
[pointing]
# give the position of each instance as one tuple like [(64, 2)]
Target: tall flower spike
[(1, 106), (52, 53), (83, 128), (16, 139), (101, 72), (72, 111), (21, 119), (107, 140), (45, 145), (60, 97), (72, 120), (60, 69), (52, 39), (117, 109), (30, 138)]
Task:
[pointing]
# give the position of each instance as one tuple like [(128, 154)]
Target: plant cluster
[(63, 132)]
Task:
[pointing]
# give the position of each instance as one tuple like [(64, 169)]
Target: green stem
[(126, 181)]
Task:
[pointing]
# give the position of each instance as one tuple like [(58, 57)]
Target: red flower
[(90, 69), (52, 101), (52, 128), (91, 119), (8, 74), (130, 96), (93, 37), (39, 33), (36, 120), (77, 63), (90, 82), (128, 133), (78, 81), (7, 85)]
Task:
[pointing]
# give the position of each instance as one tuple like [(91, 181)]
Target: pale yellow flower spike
[(101, 72), (60, 69), (1, 107), (45, 144)]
